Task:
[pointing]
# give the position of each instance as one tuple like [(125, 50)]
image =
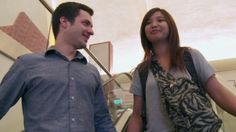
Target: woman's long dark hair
[(173, 39)]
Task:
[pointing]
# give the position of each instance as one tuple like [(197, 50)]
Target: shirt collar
[(78, 56)]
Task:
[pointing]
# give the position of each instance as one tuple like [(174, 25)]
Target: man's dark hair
[(69, 10)]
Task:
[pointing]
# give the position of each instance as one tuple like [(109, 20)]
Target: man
[(60, 90)]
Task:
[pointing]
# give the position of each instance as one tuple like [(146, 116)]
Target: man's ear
[(63, 22)]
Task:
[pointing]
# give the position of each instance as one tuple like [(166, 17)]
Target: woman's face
[(157, 29)]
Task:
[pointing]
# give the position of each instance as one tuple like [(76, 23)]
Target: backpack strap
[(143, 79), (188, 60)]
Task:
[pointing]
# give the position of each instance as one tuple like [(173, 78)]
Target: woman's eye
[(161, 20), (149, 22)]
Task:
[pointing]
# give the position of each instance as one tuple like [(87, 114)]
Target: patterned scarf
[(187, 106)]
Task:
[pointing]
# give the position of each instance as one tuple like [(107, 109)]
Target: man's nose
[(91, 31)]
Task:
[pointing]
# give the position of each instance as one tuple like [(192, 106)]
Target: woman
[(174, 100)]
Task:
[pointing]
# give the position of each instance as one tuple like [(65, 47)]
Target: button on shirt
[(58, 95)]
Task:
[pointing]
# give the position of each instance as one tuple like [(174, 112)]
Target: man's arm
[(103, 122), (11, 87)]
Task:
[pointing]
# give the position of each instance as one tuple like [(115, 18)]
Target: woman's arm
[(135, 122), (221, 95)]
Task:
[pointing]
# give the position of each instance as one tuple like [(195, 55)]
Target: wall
[(13, 120), (33, 8)]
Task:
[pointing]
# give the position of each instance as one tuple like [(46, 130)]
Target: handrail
[(86, 49), (116, 76), (7, 55), (125, 116), (45, 4)]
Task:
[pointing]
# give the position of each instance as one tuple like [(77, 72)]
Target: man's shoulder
[(92, 66), (30, 57)]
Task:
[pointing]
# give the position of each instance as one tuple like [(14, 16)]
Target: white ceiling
[(209, 26)]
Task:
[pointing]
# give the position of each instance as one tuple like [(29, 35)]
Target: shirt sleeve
[(136, 87), (203, 68), (11, 87), (103, 122)]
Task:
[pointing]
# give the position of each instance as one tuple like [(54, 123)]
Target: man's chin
[(83, 46)]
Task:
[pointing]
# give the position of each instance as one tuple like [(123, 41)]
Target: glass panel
[(120, 101)]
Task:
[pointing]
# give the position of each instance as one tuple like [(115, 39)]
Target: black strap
[(188, 60), (143, 79)]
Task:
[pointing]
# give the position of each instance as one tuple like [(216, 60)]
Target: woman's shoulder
[(194, 51)]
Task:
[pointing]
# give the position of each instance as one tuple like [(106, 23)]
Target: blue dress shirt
[(58, 95)]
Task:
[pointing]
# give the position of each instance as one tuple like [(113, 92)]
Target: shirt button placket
[(72, 98)]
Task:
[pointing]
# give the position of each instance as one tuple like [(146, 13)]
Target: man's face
[(80, 30)]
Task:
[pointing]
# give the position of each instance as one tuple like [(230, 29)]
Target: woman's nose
[(154, 24)]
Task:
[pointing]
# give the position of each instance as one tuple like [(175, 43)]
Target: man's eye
[(86, 23)]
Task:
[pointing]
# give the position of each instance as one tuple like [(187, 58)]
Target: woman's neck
[(161, 49), (163, 55)]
